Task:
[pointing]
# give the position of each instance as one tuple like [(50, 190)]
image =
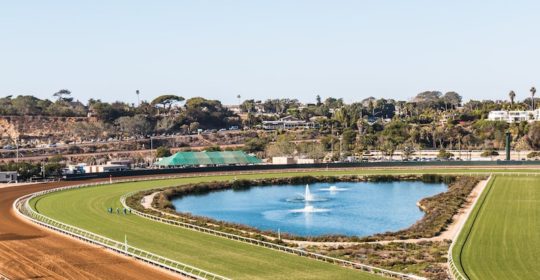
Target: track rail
[(23, 208), (455, 273)]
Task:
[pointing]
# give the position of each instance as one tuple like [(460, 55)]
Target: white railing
[(455, 273), (17, 205), (24, 209), (269, 245)]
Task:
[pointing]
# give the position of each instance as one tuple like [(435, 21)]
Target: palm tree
[(512, 96), (533, 92)]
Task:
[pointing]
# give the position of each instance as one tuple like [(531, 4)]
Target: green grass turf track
[(501, 239), (86, 208)]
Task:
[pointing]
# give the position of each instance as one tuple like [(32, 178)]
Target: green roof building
[(208, 158)]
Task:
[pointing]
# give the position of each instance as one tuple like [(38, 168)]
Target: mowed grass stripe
[(504, 242), (86, 208)]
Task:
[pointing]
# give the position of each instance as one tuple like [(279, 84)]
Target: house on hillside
[(288, 122), (514, 116)]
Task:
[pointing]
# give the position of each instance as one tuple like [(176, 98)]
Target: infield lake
[(346, 208)]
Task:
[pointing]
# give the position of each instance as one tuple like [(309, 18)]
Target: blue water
[(361, 209)]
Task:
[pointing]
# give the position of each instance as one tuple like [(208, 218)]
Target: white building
[(111, 166), (8, 177), (514, 116), (287, 123)]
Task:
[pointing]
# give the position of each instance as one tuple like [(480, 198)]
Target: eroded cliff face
[(39, 129)]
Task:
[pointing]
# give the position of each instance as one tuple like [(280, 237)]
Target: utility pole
[(138, 99), (332, 141), (152, 148), (17, 148)]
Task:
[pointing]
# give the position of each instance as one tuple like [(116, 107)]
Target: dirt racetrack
[(28, 251)]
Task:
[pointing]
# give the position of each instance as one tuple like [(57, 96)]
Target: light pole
[(138, 99), (17, 149)]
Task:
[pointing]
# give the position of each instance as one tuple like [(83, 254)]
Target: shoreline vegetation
[(438, 209), (426, 257)]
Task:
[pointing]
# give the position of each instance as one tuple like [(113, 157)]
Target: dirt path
[(28, 251), (146, 201)]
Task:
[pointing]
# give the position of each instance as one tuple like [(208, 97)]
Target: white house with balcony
[(514, 116), (287, 123)]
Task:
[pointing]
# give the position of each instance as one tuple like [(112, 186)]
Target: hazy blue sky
[(269, 49)]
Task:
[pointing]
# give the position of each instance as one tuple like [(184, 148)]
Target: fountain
[(308, 196), (333, 189)]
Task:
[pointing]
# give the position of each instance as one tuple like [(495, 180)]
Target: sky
[(269, 49)]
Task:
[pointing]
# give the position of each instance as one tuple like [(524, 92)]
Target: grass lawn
[(503, 241), (86, 208)]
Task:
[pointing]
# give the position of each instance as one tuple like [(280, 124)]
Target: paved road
[(28, 251)]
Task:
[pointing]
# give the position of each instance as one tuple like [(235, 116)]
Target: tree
[(406, 152), (194, 126), (533, 92), (318, 99), (282, 147), (209, 113), (162, 152), (62, 94), (136, 125), (452, 98), (489, 153), (255, 145), (166, 101), (534, 136), (26, 105), (214, 148), (248, 106), (312, 150), (443, 154), (512, 96)]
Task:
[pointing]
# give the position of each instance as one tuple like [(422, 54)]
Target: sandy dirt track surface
[(28, 251)]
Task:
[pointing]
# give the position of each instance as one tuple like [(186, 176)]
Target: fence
[(22, 207), (295, 251), (276, 167)]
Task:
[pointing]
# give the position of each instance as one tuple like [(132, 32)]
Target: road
[(28, 251), (115, 152)]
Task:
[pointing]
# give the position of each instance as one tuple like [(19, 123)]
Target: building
[(514, 116), (8, 176), (287, 123), (283, 160), (293, 160), (184, 159), (111, 166)]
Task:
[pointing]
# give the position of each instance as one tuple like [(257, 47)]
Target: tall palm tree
[(512, 96), (533, 92)]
